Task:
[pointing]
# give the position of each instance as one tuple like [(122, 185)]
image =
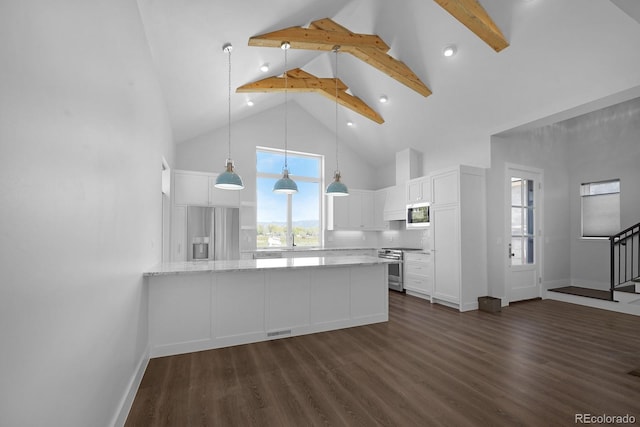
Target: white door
[(523, 229)]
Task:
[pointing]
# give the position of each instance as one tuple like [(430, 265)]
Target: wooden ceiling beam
[(325, 34), (473, 16), (377, 58), (301, 81), (316, 39)]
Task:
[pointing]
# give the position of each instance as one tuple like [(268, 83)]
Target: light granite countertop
[(261, 264)]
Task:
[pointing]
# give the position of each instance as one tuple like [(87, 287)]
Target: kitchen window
[(600, 208), (294, 219)]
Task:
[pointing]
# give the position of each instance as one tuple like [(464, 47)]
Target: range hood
[(408, 166)]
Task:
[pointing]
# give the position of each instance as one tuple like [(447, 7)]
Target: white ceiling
[(562, 55)]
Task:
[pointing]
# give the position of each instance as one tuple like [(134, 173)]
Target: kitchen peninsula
[(204, 305)]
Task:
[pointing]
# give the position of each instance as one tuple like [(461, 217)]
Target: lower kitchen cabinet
[(198, 311), (418, 274)]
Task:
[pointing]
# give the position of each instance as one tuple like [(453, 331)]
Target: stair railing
[(624, 256)]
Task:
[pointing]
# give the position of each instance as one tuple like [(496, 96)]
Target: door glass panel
[(516, 191), (522, 221)]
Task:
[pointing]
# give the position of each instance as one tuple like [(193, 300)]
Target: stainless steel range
[(396, 281)]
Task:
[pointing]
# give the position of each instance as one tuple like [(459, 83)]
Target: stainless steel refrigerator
[(213, 233)]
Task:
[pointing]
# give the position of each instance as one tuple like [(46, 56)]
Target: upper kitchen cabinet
[(379, 203), (418, 190), (355, 211), (197, 188), (445, 187)]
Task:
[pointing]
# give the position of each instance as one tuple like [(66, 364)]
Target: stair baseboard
[(632, 307)]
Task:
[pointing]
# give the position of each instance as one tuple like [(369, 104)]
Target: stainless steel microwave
[(418, 215)]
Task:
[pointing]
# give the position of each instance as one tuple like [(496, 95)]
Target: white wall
[(83, 128), (207, 152), (591, 147)]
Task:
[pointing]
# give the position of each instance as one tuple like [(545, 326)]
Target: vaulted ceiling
[(561, 55)]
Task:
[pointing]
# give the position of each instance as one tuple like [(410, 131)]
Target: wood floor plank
[(535, 363)]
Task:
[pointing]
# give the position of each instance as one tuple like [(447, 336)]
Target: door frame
[(539, 225)]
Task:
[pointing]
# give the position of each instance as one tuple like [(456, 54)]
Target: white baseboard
[(604, 286), (126, 402)]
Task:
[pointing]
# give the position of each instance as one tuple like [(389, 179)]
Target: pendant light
[(229, 180), (285, 184), (337, 188)]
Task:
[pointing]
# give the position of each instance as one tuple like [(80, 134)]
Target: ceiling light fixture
[(384, 99), (285, 184), (449, 50), (349, 123), (229, 180), (264, 68), (250, 103), (337, 188)]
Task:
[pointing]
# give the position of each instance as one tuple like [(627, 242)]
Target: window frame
[(586, 192), (289, 197)]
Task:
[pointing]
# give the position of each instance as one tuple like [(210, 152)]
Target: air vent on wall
[(278, 333)]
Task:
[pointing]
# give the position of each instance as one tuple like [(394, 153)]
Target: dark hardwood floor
[(536, 363)]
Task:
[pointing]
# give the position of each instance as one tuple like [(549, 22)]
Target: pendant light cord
[(335, 49), (229, 104), (286, 87)]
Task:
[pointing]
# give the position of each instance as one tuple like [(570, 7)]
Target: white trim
[(122, 411)]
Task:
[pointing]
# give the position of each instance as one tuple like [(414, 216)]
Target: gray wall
[(83, 129), (603, 145), (600, 145)]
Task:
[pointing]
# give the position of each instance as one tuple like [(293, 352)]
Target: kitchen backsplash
[(378, 239)]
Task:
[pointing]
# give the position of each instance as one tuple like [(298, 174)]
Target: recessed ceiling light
[(264, 68), (449, 50), (384, 99), (249, 103), (349, 123)]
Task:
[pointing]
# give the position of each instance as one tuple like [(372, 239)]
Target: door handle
[(510, 254)]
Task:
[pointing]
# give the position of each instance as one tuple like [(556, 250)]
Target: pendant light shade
[(285, 185), (337, 187), (229, 180)]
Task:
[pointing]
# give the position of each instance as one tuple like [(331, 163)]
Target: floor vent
[(278, 333)]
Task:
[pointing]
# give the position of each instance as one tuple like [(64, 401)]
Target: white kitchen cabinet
[(458, 230), (355, 203), (191, 188), (198, 188), (445, 187), (379, 201), (395, 207), (418, 274), (206, 310), (352, 212), (418, 190), (179, 233), (338, 212)]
